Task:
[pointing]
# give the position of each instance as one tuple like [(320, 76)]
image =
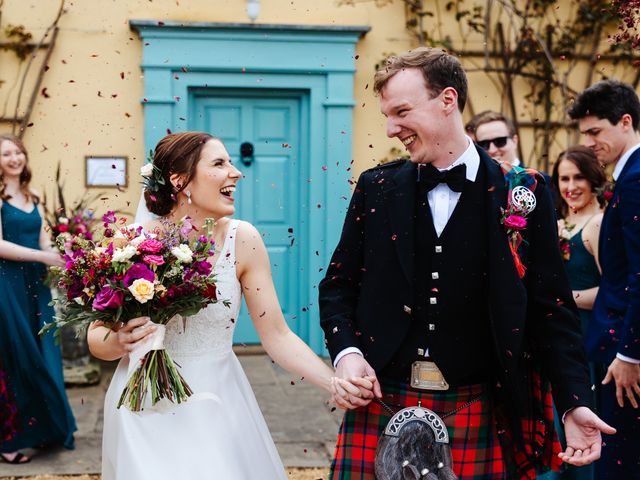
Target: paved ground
[(302, 425)]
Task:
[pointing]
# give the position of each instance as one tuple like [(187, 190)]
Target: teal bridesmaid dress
[(583, 274), (33, 365)]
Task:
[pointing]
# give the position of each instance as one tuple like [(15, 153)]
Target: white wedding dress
[(221, 436)]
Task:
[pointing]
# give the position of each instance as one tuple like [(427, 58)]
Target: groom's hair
[(176, 154), (439, 69)]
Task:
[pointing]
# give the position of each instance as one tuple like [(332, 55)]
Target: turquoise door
[(272, 188)]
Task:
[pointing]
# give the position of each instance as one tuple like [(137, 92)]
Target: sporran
[(414, 446)]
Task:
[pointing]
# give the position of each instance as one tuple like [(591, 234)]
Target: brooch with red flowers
[(521, 201)]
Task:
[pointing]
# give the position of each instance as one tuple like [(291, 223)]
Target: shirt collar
[(471, 158), (623, 161)]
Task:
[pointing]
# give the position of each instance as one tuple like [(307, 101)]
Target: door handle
[(246, 153)]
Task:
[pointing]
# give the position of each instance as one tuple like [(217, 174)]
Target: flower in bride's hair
[(142, 290), (146, 170), (183, 253), (152, 177)]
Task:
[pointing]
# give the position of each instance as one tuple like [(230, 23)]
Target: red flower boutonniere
[(521, 202)]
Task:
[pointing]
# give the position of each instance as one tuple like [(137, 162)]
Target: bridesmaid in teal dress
[(32, 364), (577, 177)]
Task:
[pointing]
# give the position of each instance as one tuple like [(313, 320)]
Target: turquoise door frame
[(274, 123), (179, 58)]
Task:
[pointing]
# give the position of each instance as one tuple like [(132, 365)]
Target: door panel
[(269, 194)]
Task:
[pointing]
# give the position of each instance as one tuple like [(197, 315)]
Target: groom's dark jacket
[(367, 296)]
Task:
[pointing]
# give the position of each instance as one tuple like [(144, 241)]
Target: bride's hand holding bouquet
[(125, 274)]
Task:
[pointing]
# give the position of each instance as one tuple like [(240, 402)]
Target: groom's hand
[(356, 384), (583, 430)]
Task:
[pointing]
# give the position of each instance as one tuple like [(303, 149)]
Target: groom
[(425, 298)]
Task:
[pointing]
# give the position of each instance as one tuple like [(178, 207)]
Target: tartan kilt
[(474, 441)]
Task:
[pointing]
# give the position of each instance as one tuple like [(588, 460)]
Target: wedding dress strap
[(228, 251)]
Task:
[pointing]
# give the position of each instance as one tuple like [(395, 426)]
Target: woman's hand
[(348, 394), (53, 259), (134, 331)]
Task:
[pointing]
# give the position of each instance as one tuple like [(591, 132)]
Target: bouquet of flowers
[(124, 273)]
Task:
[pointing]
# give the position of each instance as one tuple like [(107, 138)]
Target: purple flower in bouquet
[(187, 227), (150, 245), (109, 217), (75, 289), (202, 268), (138, 270), (107, 298)]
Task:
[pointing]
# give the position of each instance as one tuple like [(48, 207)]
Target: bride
[(220, 432)]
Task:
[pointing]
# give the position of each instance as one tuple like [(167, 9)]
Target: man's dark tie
[(429, 176)]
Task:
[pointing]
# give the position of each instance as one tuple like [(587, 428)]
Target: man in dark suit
[(609, 116), (435, 295)]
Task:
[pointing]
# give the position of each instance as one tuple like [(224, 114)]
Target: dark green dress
[(583, 274), (33, 365)]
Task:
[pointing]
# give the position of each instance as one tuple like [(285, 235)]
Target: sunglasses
[(499, 142)]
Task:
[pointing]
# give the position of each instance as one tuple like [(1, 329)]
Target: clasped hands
[(355, 383)]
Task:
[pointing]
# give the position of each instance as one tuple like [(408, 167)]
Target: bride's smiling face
[(214, 183)]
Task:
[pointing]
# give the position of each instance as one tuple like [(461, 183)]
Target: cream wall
[(95, 84)]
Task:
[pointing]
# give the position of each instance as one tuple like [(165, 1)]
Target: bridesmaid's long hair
[(25, 176), (586, 161)]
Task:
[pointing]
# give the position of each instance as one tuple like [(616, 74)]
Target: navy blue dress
[(33, 365)]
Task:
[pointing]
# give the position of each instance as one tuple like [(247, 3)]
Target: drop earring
[(188, 194)]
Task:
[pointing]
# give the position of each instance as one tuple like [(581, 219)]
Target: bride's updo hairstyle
[(177, 153)]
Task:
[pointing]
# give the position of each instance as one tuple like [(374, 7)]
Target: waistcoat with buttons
[(450, 318)]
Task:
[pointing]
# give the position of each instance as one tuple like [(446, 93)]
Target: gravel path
[(294, 474)]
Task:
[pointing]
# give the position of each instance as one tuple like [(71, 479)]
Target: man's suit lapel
[(399, 196), (605, 229)]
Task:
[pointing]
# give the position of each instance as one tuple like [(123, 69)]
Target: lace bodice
[(210, 331)]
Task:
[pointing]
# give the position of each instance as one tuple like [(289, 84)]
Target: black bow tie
[(429, 177)]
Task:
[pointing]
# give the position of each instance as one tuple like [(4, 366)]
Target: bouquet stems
[(157, 373)]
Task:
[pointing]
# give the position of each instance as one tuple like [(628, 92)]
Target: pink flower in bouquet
[(138, 270), (187, 227), (153, 259), (109, 217), (150, 245), (63, 228), (515, 222), (107, 298)]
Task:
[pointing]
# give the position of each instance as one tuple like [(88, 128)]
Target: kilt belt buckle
[(427, 376)]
